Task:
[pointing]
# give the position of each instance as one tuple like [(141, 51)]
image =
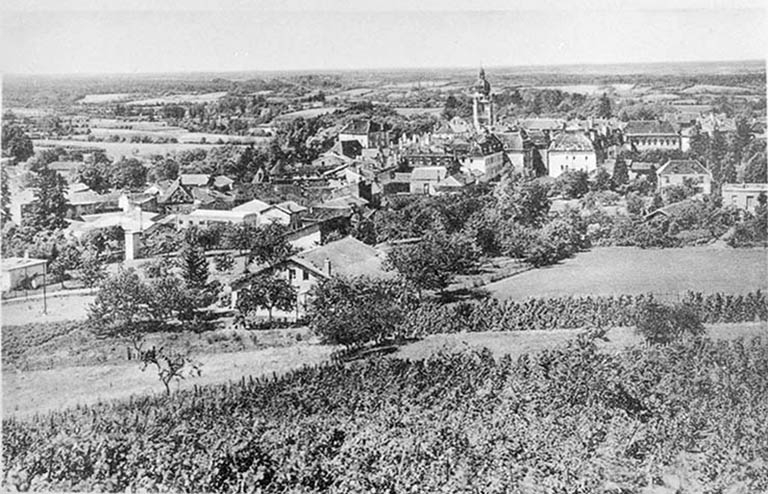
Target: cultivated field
[(627, 270), (26, 393), (116, 150), (517, 343)]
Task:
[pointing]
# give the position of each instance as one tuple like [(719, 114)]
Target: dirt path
[(26, 393)]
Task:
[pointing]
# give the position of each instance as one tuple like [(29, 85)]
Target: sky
[(150, 36)]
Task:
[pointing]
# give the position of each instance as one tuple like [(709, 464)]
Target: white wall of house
[(484, 167), (563, 161), (12, 277), (655, 142), (702, 182), (743, 196)]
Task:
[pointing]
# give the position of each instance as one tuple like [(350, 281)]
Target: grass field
[(71, 307), (26, 393), (115, 150), (625, 270), (516, 343)]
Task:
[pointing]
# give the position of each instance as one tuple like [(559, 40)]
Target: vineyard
[(573, 312), (687, 416), (16, 339)]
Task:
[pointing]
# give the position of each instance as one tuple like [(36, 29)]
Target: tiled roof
[(432, 173), (253, 206), (648, 127), (683, 167), (357, 127), (347, 257), (571, 141), (198, 179)]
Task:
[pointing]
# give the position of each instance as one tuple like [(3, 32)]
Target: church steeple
[(482, 103)]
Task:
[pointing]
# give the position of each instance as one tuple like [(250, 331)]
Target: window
[(305, 275), (666, 180), (291, 274)]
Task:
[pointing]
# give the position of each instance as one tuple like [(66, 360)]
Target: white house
[(678, 172), (571, 151), (347, 257), (18, 269), (743, 196)]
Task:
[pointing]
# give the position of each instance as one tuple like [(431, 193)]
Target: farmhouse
[(743, 196), (346, 257), (571, 151), (680, 172)]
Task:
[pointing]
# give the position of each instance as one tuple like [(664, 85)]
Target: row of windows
[(656, 142)]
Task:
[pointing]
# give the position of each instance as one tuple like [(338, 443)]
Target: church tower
[(482, 103)]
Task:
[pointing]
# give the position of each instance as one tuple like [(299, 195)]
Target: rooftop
[(683, 167), (13, 263), (348, 257), (571, 141), (648, 127), (435, 173)]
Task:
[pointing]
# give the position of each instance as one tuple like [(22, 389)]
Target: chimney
[(328, 267)]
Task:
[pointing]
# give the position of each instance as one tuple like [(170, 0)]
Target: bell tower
[(482, 103)]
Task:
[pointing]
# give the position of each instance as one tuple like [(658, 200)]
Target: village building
[(484, 159), (22, 272), (368, 133), (571, 151), (642, 135), (346, 257), (682, 172), (518, 148), (743, 196)]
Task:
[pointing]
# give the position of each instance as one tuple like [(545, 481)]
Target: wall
[(562, 161), (703, 182), (655, 142), (743, 196)]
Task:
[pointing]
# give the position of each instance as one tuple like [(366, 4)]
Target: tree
[(662, 324), (194, 266), (602, 181), (224, 263), (67, 258), (620, 173), (16, 143), (269, 246), (266, 292), (95, 175), (604, 109), (128, 173), (574, 184), (171, 365), (91, 268), (756, 171), (525, 202), (5, 197), (433, 262), (635, 204), (123, 305), (49, 209), (359, 310)]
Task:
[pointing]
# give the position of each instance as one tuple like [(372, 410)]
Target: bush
[(662, 324)]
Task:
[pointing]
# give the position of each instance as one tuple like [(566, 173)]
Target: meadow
[(629, 270)]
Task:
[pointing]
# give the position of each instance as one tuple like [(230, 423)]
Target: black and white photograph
[(384, 246)]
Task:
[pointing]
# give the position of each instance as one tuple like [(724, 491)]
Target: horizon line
[(374, 69)]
